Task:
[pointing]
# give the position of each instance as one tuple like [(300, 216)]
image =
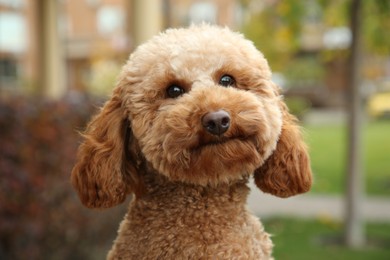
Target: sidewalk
[(313, 206)]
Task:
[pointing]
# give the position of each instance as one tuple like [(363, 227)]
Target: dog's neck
[(159, 189)]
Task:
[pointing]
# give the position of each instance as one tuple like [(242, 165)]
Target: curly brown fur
[(190, 184), (285, 173)]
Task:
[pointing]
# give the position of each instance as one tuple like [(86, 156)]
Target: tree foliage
[(276, 26), (376, 26)]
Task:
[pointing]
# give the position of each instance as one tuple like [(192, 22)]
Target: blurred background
[(58, 63)]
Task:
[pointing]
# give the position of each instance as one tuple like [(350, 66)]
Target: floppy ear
[(104, 174), (287, 171)]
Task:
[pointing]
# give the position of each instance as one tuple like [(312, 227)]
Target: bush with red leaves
[(40, 214)]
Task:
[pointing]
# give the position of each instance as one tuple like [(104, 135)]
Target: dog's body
[(193, 222), (193, 116)]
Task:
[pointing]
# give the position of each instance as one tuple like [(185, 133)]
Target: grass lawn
[(321, 239), (327, 144)]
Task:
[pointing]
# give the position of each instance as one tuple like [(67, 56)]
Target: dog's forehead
[(197, 49), (199, 37), (205, 42)]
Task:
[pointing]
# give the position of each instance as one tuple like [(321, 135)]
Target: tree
[(354, 226), (275, 30), (276, 26)]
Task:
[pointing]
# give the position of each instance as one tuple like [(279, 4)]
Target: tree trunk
[(354, 226)]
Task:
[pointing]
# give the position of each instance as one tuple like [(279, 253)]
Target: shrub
[(40, 214)]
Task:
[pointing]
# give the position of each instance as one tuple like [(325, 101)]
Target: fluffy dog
[(193, 116)]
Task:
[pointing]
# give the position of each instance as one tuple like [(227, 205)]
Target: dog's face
[(202, 109), (180, 79)]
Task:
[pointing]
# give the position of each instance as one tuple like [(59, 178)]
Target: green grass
[(328, 154), (321, 239)]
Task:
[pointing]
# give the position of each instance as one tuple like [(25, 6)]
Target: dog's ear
[(287, 171), (103, 174)]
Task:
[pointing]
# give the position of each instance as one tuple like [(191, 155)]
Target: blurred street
[(322, 206)]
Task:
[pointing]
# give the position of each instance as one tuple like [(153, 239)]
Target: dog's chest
[(192, 227)]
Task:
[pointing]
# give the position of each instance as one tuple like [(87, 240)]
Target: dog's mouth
[(220, 141)]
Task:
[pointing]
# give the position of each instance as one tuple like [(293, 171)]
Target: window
[(110, 19), (12, 32)]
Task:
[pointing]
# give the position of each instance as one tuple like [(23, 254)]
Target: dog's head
[(198, 106)]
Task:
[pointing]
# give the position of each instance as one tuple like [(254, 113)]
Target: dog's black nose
[(217, 122)]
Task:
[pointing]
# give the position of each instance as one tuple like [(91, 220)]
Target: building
[(53, 47)]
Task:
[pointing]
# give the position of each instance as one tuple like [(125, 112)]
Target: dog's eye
[(226, 81), (174, 91)]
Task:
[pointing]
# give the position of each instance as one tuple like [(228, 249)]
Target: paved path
[(312, 206)]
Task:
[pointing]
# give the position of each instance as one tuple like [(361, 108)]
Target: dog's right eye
[(227, 81), (174, 91)]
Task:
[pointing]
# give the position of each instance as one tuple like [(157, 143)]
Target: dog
[(193, 117)]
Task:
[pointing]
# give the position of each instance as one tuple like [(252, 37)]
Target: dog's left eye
[(227, 81), (174, 91)]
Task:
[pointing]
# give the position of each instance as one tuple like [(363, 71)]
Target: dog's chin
[(221, 160)]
